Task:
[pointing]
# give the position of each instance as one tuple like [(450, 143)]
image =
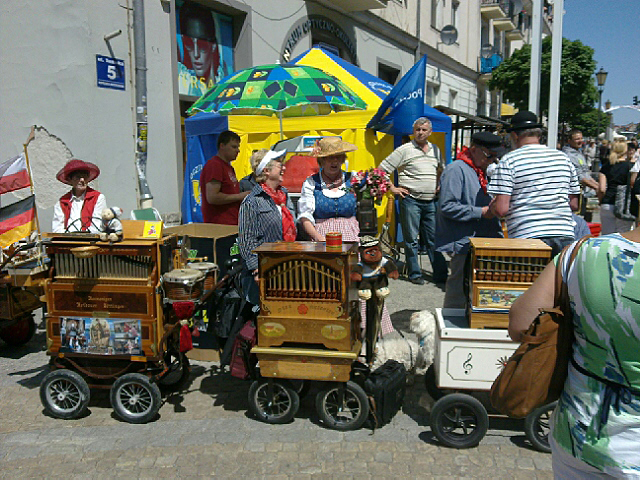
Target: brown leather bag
[(535, 374)]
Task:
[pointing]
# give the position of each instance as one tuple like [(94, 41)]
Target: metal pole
[(146, 199), (556, 66), (417, 55), (594, 164), (536, 57)]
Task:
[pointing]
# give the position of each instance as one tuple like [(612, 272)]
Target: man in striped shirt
[(535, 187)]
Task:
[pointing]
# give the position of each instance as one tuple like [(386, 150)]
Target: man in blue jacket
[(464, 209)]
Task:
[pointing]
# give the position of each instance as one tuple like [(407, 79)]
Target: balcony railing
[(492, 9), (489, 64)]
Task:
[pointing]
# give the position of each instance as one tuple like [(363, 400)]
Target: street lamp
[(601, 77)]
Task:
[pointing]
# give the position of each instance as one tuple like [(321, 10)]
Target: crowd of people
[(540, 192)]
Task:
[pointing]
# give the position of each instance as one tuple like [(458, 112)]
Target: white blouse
[(307, 202)]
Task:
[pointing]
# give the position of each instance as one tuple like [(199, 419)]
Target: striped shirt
[(417, 170), (539, 181)]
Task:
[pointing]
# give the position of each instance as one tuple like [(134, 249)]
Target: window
[(432, 94), (453, 95), (434, 13), (387, 73)]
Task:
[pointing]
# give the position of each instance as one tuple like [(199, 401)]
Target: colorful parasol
[(286, 90)]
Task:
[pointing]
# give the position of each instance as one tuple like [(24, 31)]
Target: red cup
[(334, 240)]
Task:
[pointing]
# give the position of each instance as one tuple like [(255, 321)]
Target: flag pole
[(26, 156)]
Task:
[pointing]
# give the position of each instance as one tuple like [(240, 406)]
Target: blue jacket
[(460, 210)]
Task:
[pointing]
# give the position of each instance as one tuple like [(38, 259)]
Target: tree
[(587, 123), (578, 93)]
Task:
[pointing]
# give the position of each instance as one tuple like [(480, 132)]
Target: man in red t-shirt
[(219, 187)]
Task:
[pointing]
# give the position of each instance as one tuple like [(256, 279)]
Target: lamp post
[(601, 77)]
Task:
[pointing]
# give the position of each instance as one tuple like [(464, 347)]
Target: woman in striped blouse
[(265, 216)]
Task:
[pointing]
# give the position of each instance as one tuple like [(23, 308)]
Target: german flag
[(17, 221)]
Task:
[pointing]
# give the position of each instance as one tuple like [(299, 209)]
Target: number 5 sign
[(110, 72)]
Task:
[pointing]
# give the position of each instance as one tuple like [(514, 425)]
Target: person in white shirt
[(78, 210)]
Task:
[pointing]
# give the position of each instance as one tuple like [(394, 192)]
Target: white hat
[(270, 155)]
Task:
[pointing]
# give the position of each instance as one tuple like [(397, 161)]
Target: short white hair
[(422, 121)]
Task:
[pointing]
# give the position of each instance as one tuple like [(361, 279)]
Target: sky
[(612, 29)]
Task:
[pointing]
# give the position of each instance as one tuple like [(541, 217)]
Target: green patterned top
[(598, 421)]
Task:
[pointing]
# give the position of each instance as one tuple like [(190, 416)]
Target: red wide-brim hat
[(74, 165)]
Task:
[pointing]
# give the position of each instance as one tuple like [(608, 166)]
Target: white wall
[(48, 79)]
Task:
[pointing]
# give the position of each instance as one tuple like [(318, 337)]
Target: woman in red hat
[(80, 209)]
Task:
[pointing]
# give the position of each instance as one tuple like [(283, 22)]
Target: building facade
[(56, 72)]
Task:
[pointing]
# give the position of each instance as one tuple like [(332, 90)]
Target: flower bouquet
[(373, 183)]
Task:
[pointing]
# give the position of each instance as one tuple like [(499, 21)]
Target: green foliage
[(587, 122), (578, 93)]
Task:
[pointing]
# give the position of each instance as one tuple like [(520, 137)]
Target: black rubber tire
[(536, 427), (459, 420), (134, 398), (64, 394), (178, 374), (351, 415), (279, 409), (20, 332), (431, 385)]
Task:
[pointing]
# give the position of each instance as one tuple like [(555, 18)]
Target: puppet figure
[(373, 269), (111, 224)]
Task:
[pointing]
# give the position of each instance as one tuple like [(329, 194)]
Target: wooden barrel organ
[(103, 299), (309, 321)]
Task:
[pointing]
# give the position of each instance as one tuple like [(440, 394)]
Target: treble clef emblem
[(467, 364)]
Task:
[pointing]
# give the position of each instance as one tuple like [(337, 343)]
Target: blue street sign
[(110, 72)]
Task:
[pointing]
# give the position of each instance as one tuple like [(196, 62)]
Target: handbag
[(623, 201), (535, 374)]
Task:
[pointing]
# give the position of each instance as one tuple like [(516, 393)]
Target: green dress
[(598, 419)]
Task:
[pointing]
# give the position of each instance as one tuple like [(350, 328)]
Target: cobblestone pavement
[(206, 431)]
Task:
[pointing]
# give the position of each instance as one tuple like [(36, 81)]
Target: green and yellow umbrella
[(286, 90)]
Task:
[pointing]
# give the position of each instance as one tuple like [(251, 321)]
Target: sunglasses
[(491, 156)]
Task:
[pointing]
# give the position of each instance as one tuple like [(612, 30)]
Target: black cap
[(488, 140), (524, 120)]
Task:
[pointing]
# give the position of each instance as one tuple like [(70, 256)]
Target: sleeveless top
[(344, 206)]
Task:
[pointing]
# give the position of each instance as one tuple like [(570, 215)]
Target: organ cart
[(308, 329), (472, 345), (23, 272), (113, 320)]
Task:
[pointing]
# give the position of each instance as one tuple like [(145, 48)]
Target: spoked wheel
[(536, 427), (274, 401), (20, 332), (134, 398), (343, 407), (459, 420), (64, 394), (178, 373)]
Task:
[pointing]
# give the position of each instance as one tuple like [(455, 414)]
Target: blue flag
[(191, 198), (404, 104)]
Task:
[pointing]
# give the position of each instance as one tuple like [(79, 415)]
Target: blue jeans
[(418, 218)]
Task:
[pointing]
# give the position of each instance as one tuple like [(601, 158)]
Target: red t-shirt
[(221, 171)]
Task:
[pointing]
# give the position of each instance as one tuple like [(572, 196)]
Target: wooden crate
[(501, 270), (306, 296)]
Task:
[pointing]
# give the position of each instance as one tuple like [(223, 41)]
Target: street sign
[(110, 72)]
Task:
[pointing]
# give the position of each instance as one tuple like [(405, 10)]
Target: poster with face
[(103, 336), (205, 48)]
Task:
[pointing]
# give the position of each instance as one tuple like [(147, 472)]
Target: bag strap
[(561, 287)]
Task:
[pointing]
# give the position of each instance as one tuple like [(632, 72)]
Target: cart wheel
[(134, 398), (64, 394), (178, 374), (348, 414), (536, 427), (275, 407), (20, 332), (459, 420), (430, 383)]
